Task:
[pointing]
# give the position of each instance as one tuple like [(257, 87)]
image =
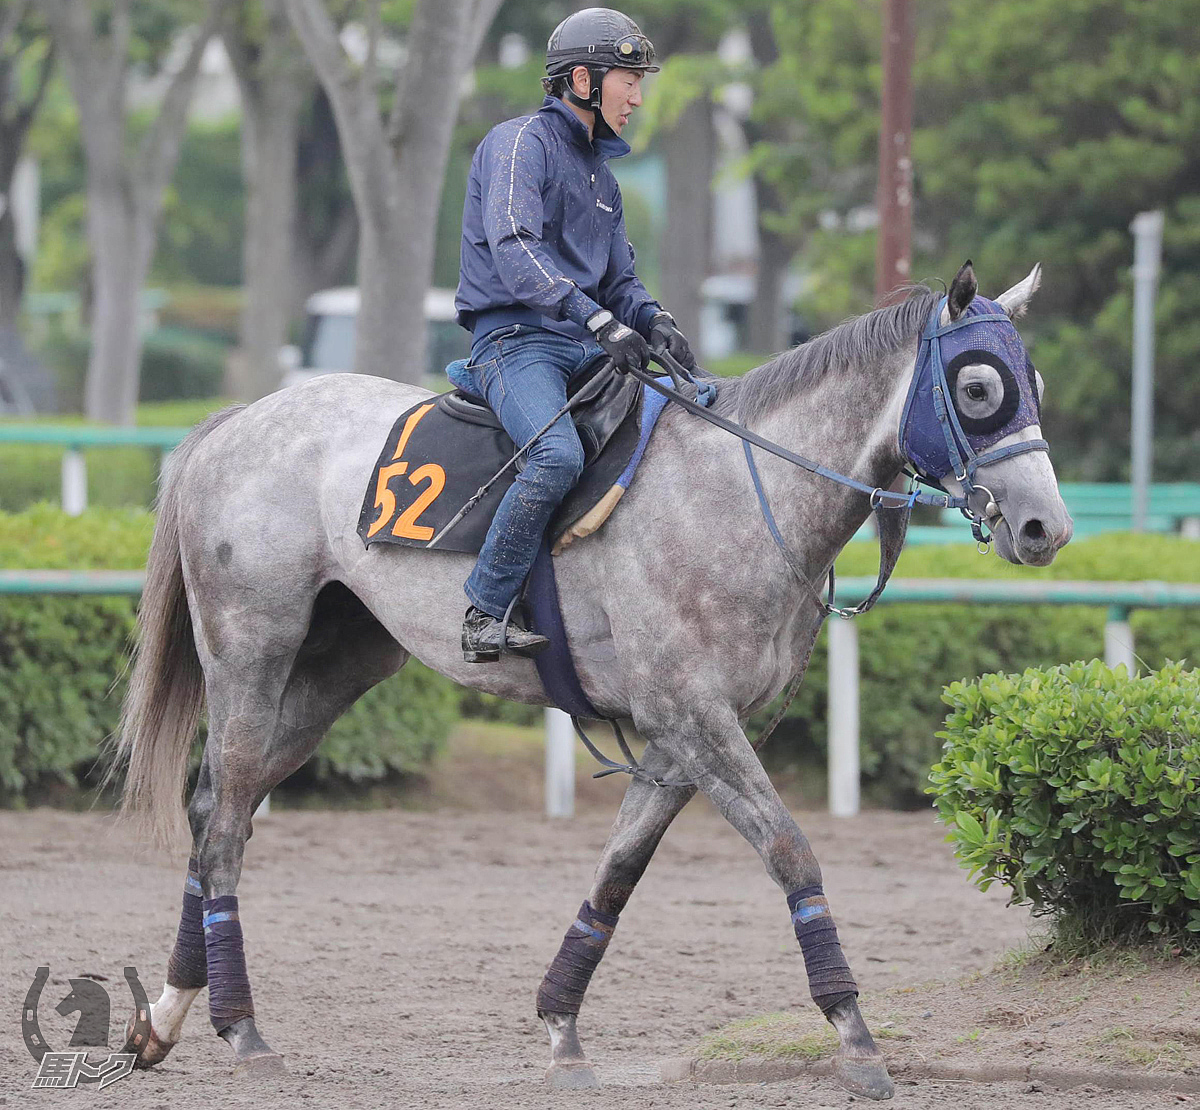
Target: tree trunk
[(390, 332), (272, 95), (120, 260), (125, 189), (690, 150), (396, 170), (12, 266), (766, 333)]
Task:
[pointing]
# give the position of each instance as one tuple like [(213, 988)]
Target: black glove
[(665, 333), (623, 345)]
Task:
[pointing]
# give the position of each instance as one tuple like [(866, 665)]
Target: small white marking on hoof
[(572, 1077), (166, 1024)]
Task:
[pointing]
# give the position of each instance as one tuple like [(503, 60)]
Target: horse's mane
[(858, 340)]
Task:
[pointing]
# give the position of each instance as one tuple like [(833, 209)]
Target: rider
[(547, 280)]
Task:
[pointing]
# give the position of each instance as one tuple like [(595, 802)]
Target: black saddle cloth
[(442, 450)]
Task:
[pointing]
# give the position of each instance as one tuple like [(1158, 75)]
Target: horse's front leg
[(645, 813), (704, 738)]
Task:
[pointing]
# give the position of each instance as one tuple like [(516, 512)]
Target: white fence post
[(560, 765), (843, 717), (1118, 639), (74, 482), (264, 807)]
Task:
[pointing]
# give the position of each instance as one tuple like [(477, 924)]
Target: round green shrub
[(1078, 787)]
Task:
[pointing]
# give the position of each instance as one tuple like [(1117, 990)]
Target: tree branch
[(360, 128), (118, 38), (74, 33), (435, 46), (160, 149), (482, 14), (370, 72), (28, 110), (319, 37)]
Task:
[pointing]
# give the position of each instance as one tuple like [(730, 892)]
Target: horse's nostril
[(1033, 530)]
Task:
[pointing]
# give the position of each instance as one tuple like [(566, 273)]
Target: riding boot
[(484, 637)]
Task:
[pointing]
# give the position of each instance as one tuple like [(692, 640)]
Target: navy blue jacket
[(543, 237)]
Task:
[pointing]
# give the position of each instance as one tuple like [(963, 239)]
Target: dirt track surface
[(394, 956)]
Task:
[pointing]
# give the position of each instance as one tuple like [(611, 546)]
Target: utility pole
[(1147, 228), (893, 252)]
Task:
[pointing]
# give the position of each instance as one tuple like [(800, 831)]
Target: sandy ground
[(395, 955)]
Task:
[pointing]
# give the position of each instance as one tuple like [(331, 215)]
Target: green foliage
[(63, 663), (1078, 787), (177, 366), (1039, 132), (203, 214), (907, 653)]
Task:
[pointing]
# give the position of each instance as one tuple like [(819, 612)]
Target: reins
[(892, 528)]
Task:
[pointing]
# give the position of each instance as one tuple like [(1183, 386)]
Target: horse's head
[(972, 419)]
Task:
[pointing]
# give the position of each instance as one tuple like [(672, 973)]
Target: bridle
[(963, 460)]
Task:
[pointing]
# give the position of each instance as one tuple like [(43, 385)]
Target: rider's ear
[(962, 292), (1014, 301), (581, 81)]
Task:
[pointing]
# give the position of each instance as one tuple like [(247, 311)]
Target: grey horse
[(682, 615)]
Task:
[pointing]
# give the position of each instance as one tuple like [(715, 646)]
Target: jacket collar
[(569, 124)]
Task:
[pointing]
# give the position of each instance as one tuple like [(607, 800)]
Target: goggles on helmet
[(636, 50)]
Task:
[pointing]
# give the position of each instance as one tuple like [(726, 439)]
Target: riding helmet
[(601, 39)]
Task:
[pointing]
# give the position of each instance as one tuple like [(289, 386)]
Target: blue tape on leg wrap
[(229, 998), (567, 978), (188, 966), (829, 978)]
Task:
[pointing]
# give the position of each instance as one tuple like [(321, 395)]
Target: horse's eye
[(976, 391)]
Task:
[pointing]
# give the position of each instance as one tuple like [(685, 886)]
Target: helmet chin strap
[(591, 102)]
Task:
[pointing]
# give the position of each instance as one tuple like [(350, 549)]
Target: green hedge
[(908, 653), (1078, 787), (63, 661)]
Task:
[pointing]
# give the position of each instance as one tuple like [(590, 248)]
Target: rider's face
[(621, 92)]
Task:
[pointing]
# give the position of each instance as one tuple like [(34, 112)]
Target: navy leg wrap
[(188, 965), (568, 976), (228, 984), (829, 978)]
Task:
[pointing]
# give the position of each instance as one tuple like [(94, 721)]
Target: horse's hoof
[(865, 1076), (152, 1052), (266, 1065), (576, 1076)]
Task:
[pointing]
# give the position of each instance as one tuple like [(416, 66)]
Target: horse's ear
[(962, 292), (1015, 300)]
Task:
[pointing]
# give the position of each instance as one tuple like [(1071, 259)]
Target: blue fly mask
[(947, 431)]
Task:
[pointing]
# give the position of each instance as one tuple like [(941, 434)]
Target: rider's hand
[(665, 333), (624, 346)]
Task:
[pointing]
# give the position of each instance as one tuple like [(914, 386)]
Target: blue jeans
[(522, 371)]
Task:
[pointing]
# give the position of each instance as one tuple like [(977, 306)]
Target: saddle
[(443, 449)]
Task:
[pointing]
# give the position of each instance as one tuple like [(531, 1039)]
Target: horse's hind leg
[(345, 652), (645, 813)]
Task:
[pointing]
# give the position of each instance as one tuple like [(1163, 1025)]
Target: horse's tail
[(166, 687)]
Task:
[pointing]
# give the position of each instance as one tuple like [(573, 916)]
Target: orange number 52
[(385, 500)]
